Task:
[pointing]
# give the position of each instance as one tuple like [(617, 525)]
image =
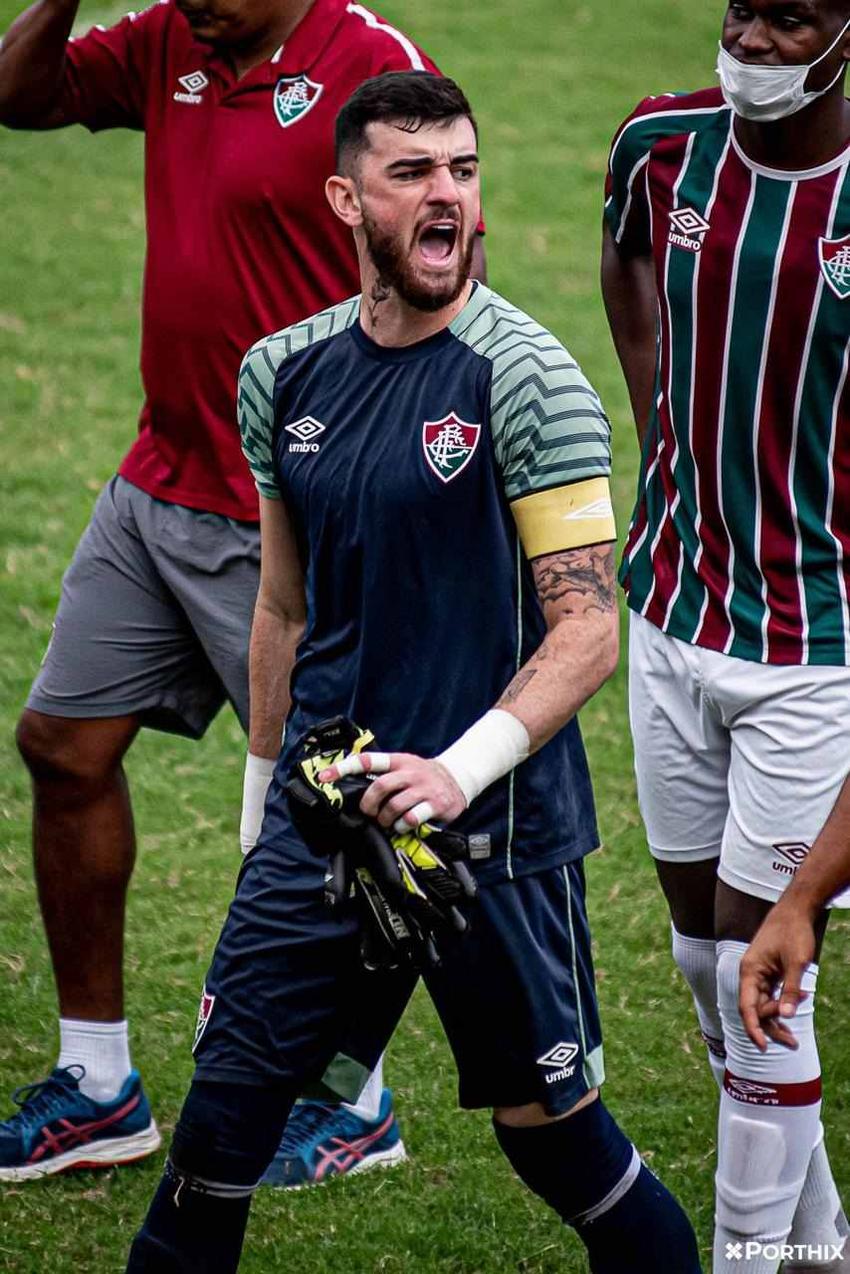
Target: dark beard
[(394, 271)]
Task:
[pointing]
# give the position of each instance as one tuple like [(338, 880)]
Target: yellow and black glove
[(409, 888)]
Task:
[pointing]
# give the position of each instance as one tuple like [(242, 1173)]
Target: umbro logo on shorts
[(558, 1059), (687, 229), (306, 431), (193, 84), (792, 854)]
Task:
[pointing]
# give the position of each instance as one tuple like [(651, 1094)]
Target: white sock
[(103, 1049), (697, 960), (768, 1127), (815, 1219), (368, 1104)]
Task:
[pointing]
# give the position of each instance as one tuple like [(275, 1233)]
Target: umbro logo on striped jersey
[(687, 229)]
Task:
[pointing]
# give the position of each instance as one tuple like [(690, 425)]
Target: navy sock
[(225, 1139), (589, 1172)]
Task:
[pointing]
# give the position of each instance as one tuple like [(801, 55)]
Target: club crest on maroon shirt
[(294, 96), (449, 445), (835, 264)]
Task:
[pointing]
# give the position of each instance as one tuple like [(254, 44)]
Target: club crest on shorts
[(294, 96), (205, 1009), (835, 264), (449, 445)]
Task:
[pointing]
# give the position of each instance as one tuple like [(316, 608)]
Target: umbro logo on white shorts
[(306, 431), (558, 1061), (193, 84)]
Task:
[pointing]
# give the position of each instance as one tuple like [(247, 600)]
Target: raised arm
[(32, 62), (628, 289)]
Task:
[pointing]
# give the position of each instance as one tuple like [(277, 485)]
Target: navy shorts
[(286, 990)]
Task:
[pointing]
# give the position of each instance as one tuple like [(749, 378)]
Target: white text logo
[(801, 1253), (305, 430), (559, 1058), (688, 229), (194, 83)]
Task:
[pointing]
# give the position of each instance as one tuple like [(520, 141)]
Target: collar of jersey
[(784, 174), (299, 54), (421, 349)]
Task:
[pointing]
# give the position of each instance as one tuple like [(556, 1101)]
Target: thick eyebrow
[(427, 161)]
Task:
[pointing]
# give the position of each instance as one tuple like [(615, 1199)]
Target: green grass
[(550, 81)]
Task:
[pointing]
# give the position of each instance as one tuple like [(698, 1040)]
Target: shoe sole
[(380, 1159), (103, 1154)]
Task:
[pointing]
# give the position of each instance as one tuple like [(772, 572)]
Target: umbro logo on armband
[(687, 229), (306, 430), (193, 84)]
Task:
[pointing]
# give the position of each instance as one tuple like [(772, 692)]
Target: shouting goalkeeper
[(438, 566)]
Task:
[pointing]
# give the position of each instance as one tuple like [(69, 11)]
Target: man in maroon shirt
[(237, 100)]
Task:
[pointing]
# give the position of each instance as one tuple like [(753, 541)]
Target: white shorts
[(735, 760)]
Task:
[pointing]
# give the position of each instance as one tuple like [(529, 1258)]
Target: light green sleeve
[(255, 399)]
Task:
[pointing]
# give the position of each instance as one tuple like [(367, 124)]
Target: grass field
[(550, 80)]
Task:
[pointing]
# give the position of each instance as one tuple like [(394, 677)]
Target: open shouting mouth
[(437, 242)]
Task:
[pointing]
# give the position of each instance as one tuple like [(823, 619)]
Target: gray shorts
[(155, 616)]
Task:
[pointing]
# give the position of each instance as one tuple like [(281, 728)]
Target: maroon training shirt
[(240, 238)]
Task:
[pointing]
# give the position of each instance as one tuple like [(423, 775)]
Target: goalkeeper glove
[(407, 886)]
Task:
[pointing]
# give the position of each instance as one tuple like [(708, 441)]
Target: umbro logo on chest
[(193, 86), (306, 431)]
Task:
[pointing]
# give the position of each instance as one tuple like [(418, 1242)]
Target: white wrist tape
[(258, 776), (491, 747)]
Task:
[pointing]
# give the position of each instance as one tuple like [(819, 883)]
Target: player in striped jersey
[(726, 273)]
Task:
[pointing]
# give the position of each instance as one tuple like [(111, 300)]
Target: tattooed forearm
[(577, 581), (517, 686)]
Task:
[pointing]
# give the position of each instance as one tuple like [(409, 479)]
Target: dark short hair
[(408, 99)]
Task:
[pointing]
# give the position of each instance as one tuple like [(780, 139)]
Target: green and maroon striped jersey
[(741, 531)]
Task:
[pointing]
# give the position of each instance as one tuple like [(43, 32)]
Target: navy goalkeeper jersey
[(406, 472)]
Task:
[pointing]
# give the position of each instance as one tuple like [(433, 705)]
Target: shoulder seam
[(376, 25)]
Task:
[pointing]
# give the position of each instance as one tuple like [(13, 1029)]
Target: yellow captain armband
[(565, 517)]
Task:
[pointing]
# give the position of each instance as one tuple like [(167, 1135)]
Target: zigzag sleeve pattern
[(548, 425), (255, 401)]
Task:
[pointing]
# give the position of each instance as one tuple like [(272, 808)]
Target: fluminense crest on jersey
[(835, 264), (294, 96), (449, 445), (688, 229)]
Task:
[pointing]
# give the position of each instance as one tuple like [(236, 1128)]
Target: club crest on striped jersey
[(205, 1009), (835, 264), (449, 445), (294, 96), (687, 229)]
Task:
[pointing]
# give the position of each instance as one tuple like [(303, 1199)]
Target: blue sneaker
[(58, 1128), (322, 1141)]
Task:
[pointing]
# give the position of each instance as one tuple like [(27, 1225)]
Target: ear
[(344, 199)]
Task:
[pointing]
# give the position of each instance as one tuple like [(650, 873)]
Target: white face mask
[(767, 93)]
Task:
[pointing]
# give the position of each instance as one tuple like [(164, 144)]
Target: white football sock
[(768, 1127), (368, 1104), (102, 1048), (697, 960), (815, 1219)]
